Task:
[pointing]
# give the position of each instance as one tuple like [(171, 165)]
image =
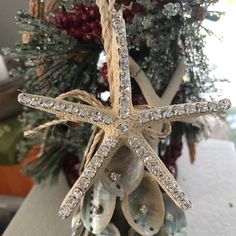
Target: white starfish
[(122, 124)]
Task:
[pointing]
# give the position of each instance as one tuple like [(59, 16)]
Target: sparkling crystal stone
[(65, 212), (123, 52), (97, 161), (224, 104), (122, 39), (83, 183), (108, 119), (155, 170), (72, 202), (156, 115), (133, 142), (125, 85), (48, 103), (190, 108), (178, 110), (124, 113), (178, 195), (202, 107), (124, 64), (97, 116), (213, 106), (90, 172), (185, 204), (70, 109), (103, 151), (142, 151), (124, 75), (123, 128), (167, 112), (83, 113), (111, 142), (77, 193), (150, 160)]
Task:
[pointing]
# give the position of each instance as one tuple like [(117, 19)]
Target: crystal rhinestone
[(190, 108), (72, 202), (97, 116), (202, 107), (185, 204), (77, 193), (120, 29), (108, 119), (21, 97), (83, 183), (124, 76), (47, 103), (103, 151), (144, 118), (97, 161), (124, 113), (213, 106), (123, 52), (70, 109), (133, 142), (57, 106), (178, 195), (156, 115), (125, 85), (167, 112), (62, 106), (65, 212), (150, 160), (155, 170), (123, 128), (178, 110), (122, 39), (123, 101), (111, 142), (90, 172), (171, 187), (124, 64), (142, 151), (161, 176), (83, 113), (224, 104)]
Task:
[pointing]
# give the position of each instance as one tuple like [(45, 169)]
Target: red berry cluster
[(81, 22), (133, 10)]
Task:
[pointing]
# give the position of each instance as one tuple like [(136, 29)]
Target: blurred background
[(220, 49)]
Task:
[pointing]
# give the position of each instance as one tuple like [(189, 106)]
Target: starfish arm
[(159, 171), (181, 112), (121, 86), (91, 172), (69, 111)]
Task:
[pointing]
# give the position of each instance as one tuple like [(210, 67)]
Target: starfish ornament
[(122, 124)]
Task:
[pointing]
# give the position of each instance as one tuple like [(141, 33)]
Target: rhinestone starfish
[(122, 124)]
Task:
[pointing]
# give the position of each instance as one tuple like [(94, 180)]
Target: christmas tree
[(132, 80)]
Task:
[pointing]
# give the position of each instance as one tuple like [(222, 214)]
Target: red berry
[(87, 37)]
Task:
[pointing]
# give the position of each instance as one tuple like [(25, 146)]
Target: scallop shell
[(144, 208), (97, 208), (124, 173)]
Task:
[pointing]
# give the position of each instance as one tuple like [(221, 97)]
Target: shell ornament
[(118, 190)]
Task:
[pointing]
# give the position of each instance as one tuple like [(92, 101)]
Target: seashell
[(144, 208), (110, 230), (97, 208), (162, 232), (175, 219), (124, 173), (77, 225)]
